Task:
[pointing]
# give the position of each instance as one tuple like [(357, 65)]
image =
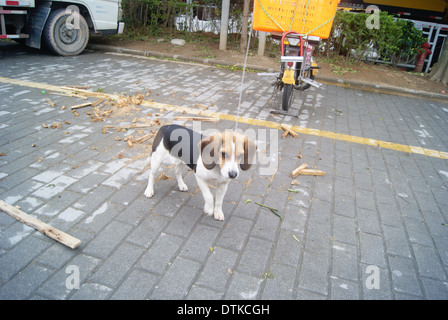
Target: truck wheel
[(61, 35)]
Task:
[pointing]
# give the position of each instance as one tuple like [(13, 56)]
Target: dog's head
[(229, 150)]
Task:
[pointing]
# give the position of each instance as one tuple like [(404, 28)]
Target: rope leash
[(242, 77)]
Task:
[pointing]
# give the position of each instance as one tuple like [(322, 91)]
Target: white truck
[(63, 26)]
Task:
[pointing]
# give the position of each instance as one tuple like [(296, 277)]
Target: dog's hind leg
[(156, 160), (178, 169)]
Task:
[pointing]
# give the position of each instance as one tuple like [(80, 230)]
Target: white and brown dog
[(214, 159)]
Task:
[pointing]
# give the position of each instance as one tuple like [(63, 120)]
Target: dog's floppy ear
[(209, 150), (249, 154)]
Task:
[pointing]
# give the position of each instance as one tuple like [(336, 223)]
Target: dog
[(214, 159)]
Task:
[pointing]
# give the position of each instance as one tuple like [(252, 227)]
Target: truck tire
[(62, 37)]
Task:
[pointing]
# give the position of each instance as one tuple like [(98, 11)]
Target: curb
[(327, 80)]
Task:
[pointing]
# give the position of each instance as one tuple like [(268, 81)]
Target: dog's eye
[(223, 155)]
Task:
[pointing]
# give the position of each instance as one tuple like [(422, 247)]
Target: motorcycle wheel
[(287, 96)]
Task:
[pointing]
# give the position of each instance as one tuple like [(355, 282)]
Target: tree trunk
[(243, 42), (440, 69)]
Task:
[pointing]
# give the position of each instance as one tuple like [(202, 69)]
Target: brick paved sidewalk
[(374, 227)]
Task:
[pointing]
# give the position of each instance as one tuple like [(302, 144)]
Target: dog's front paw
[(219, 215), (149, 192), (182, 187), (208, 209)]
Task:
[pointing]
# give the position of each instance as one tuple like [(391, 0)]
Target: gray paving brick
[(22, 285), (344, 205), (345, 261), (368, 221), (200, 293), (91, 291), (435, 290), (313, 273), (235, 234), (294, 219), (58, 204), (53, 188), (389, 215), (97, 219), (342, 289), (136, 286), (20, 256), (318, 238), (365, 199), (320, 211), (404, 276), (184, 222), (280, 283), (372, 250), (56, 288), (344, 229), (198, 245), (106, 240), (396, 241), (112, 271), (160, 254), (176, 282), (266, 225), (428, 263), (12, 235), (255, 257), (288, 249), (148, 230), (243, 287), (417, 231), (215, 273)]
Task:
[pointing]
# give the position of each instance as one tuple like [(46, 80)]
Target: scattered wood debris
[(297, 171), (51, 103), (56, 125), (306, 172), (288, 130), (200, 106)]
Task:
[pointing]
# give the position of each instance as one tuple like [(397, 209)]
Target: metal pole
[(261, 42)]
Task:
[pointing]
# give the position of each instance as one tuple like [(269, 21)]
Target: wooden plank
[(82, 105), (46, 229), (312, 172), (197, 119)]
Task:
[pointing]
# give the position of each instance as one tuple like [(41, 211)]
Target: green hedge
[(350, 37)]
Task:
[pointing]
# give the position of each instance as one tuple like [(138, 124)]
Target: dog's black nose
[(232, 174)]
